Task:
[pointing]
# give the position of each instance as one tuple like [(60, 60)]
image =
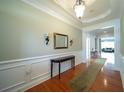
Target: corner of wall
[(122, 70)]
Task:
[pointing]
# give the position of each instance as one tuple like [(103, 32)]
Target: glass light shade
[(79, 10)]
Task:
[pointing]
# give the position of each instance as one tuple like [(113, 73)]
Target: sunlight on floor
[(109, 56), (110, 59), (108, 43)]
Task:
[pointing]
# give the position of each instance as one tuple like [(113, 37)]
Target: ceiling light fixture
[(104, 31), (79, 8)]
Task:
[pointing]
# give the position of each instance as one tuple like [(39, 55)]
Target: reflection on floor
[(107, 80), (110, 62)]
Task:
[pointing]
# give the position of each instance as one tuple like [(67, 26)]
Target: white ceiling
[(68, 4), (109, 32), (96, 10)]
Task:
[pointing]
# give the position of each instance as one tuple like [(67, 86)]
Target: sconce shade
[(47, 40), (71, 42), (46, 36)]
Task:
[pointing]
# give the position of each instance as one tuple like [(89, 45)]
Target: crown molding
[(110, 23), (101, 16), (46, 9)]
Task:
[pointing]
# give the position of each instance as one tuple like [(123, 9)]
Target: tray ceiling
[(95, 9)]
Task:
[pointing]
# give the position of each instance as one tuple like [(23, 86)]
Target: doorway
[(102, 41), (107, 51)]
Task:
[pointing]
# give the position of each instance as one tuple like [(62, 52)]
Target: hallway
[(107, 81), (108, 50), (109, 56), (34, 32)]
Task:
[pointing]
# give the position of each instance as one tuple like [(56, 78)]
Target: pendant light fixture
[(79, 8)]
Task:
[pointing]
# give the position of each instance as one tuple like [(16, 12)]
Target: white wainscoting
[(122, 70), (22, 74)]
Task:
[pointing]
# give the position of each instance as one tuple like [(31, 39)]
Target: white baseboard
[(122, 70), (22, 74)]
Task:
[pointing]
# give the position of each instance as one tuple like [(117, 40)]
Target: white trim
[(85, 20), (122, 70), (10, 67), (116, 25), (33, 71), (51, 12), (40, 76), (101, 16), (110, 23), (33, 83), (123, 59), (33, 58), (15, 85)]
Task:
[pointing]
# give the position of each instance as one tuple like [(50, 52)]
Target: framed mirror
[(60, 41)]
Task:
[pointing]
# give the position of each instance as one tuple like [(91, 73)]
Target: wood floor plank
[(107, 81)]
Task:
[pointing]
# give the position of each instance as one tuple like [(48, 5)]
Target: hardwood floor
[(106, 81)]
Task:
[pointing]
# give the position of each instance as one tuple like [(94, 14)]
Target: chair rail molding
[(22, 74)]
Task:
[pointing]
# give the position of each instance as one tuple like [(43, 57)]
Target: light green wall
[(22, 30), (122, 33)]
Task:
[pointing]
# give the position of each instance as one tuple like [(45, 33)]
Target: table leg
[(59, 69), (51, 69), (73, 63)]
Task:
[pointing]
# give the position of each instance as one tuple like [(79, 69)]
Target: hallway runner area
[(84, 80)]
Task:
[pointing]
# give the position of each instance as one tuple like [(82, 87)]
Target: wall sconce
[(71, 42), (46, 38)]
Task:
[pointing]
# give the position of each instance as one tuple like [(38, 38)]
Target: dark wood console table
[(60, 60)]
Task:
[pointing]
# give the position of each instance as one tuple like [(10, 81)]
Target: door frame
[(116, 25)]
